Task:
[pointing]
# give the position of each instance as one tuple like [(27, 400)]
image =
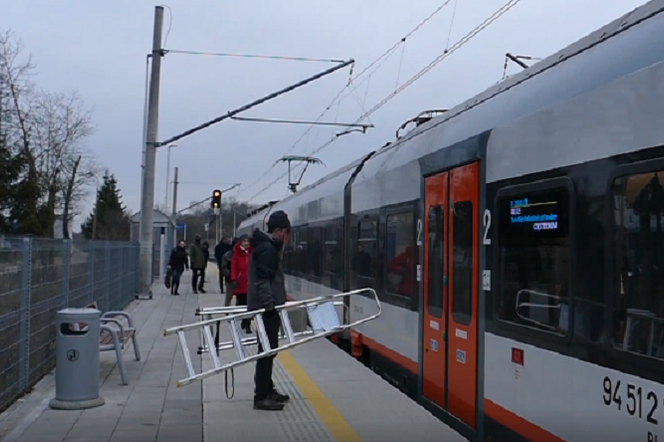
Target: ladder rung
[(262, 334), (237, 340), (286, 325), (185, 351), (209, 339)]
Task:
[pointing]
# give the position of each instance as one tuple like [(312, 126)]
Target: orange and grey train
[(517, 245)]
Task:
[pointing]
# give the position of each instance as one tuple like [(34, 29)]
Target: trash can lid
[(72, 311)]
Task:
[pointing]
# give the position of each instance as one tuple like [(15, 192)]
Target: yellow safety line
[(340, 430)]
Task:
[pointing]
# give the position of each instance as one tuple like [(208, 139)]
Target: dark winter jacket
[(240, 269), (206, 253), (179, 259), (220, 250), (196, 255), (225, 267), (267, 287)]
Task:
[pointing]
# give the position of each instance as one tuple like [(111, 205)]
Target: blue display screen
[(537, 215)]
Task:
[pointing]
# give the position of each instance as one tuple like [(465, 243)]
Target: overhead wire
[(260, 56), (170, 24), (449, 32), (351, 81), (460, 43)]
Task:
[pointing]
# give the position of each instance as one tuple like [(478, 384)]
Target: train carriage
[(516, 244)]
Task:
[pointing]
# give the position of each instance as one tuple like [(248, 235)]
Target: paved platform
[(149, 408), (333, 397)]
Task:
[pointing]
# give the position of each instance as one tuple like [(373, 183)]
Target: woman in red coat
[(240, 275)]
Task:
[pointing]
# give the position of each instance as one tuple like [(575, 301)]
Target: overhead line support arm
[(256, 102)]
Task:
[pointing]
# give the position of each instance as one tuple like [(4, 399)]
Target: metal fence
[(38, 277)]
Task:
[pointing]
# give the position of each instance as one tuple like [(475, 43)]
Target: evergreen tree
[(112, 219), (12, 166)]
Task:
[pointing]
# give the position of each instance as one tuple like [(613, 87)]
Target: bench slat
[(106, 338)]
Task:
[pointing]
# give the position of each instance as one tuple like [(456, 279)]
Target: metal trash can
[(77, 359)]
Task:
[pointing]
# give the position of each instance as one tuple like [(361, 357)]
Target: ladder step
[(237, 340), (262, 334), (209, 340), (185, 352), (286, 325)]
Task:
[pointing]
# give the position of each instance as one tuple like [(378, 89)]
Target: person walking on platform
[(226, 261), (197, 260), (267, 289), (240, 276), (206, 258), (220, 250), (178, 261)]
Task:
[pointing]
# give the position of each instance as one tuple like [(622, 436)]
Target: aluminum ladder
[(322, 317)]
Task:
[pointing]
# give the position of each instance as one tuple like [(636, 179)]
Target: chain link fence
[(38, 277)]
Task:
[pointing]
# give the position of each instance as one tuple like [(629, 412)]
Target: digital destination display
[(539, 215)]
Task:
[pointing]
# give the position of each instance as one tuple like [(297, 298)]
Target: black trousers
[(263, 376), (221, 280), (201, 281), (195, 274)]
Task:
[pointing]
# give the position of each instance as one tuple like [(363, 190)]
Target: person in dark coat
[(205, 247), (267, 290), (240, 275), (197, 260), (220, 250), (225, 270), (178, 262)]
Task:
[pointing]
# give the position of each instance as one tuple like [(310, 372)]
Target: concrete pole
[(175, 205), (147, 198)]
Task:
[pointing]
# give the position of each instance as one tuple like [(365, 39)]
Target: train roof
[(555, 79)]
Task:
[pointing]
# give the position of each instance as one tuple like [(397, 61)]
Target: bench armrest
[(114, 334), (106, 321), (114, 313)]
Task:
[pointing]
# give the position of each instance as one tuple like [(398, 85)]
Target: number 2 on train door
[(450, 291)]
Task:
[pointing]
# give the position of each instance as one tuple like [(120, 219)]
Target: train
[(516, 244)]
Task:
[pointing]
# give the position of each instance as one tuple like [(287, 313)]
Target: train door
[(450, 275)]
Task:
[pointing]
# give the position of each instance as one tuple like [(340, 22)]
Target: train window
[(314, 252), (533, 229), (366, 254), (436, 261), (638, 241), (301, 251), (462, 262), (400, 254), (331, 248)]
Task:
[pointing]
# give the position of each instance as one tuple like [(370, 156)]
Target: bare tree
[(48, 130), (79, 173), (18, 88), (16, 94), (61, 125)]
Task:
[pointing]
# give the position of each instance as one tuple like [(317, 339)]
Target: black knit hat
[(278, 220)]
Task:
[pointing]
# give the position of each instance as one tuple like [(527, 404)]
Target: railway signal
[(216, 199)]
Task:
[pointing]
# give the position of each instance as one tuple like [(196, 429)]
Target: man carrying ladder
[(267, 289)]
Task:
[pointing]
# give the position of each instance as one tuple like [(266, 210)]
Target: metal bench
[(114, 335)]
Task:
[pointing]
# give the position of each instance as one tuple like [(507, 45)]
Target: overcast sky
[(99, 49)]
